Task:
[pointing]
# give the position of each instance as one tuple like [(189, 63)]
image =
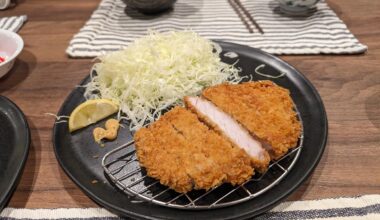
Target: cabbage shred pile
[(155, 72)]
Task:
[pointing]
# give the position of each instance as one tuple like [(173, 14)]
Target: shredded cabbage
[(258, 68), (156, 72)]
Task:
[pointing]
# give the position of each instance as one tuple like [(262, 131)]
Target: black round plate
[(81, 157), (14, 147)]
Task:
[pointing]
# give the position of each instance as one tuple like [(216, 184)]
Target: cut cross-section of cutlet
[(231, 129), (183, 153), (265, 109)]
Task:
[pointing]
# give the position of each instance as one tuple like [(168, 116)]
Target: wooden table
[(349, 85)]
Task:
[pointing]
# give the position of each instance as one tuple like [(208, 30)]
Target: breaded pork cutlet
[(265, 109), (185, 154), (231, 129)]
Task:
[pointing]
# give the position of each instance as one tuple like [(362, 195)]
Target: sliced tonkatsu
[(223, 137)]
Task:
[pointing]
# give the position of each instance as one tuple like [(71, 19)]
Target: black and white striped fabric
[(13, 23), (358, 208), (113, 26)]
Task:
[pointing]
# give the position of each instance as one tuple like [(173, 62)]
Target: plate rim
[(259, 211), (19, 169)]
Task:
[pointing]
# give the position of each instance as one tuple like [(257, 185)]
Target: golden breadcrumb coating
[(264, 108), (184, 154), (157, 150)]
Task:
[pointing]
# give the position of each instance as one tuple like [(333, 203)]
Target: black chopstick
[(236, 8), (249, 16)]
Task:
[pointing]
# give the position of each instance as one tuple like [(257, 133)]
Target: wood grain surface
[(349, 85)]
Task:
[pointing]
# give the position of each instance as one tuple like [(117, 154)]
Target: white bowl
[(11, 45)]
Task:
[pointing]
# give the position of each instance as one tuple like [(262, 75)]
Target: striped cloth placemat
[(362, 207), (13, 23), (113, 26)]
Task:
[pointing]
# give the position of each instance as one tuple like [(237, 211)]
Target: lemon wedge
[(91, 112)]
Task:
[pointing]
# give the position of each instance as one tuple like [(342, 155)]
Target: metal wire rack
[(123, 169)]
